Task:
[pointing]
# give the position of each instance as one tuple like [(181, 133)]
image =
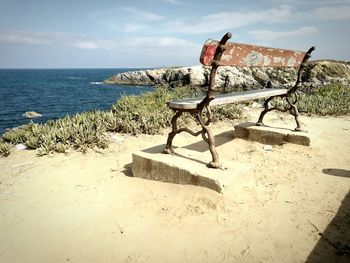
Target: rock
[(325, 72), (197, 76), (232, 78), (256, 105), (260, 75), (117, 138), (176, 77), (268, 148), (156, 75), (131, 78), (235, 78), (21, 146), (31, 114)]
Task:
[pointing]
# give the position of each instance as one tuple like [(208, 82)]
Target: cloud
[(88, 45), (230, 20), (174, 2), (128, 28), (153, 45), (309, 2), (144, 15), (340, 12), (23, 37), (99, 13), (159, 44), (273, 35)]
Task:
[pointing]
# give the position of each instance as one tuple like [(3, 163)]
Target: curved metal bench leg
[(169, 148), (210, 139), (294, 111), (266, 110), (211, 143)]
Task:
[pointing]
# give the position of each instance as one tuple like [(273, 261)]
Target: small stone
[(21, 146), (31, 114), (117, 138), (268, 148), (256, 105)]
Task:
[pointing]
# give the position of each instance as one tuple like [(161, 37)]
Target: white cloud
[(340, 12), (99, 13), (89, 45), (144, 15), (174, 2), (159, 44), (128, 28), (334, 2), (23, 37), (309, 2), (272, 35), (153, 45), (230, 20)]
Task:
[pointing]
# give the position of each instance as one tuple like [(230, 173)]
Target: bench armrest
[(214, 66), (301, 69)]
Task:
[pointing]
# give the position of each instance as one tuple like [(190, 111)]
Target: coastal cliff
[(317, 73)]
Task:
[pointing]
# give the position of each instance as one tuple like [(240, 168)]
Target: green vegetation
[(4, 148), (331, 100), (328, 100), (147, 114), (80, 131)]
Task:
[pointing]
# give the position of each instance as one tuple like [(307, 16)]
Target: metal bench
[(223, 53)]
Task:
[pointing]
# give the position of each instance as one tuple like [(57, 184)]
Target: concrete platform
[(185, 167), (270, 135)]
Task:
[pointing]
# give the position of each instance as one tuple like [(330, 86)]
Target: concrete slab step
[(270, 135), (186, 167)]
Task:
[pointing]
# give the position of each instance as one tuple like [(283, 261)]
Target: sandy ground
[(292, 205)]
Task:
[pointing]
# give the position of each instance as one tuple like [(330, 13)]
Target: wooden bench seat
[(218, 53), (222, 99)]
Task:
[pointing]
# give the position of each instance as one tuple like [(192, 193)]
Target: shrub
[(4, 148), (332, 100), (328, 100), (148, 114), (227, 112), (78, 131)]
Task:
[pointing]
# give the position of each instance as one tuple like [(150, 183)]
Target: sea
[(55, 93)]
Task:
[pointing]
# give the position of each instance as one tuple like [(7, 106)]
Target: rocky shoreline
[(317, 73)]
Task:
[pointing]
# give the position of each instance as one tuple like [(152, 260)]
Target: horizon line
[(76, 68)]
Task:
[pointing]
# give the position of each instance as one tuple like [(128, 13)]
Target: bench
[(223, 53)]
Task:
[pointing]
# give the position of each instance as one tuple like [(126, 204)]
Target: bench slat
[(238, 54), (221, 99)]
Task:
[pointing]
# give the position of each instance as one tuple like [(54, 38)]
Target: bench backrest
[(237, 54), (221, 53)]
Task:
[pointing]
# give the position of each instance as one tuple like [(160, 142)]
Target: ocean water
[(55, 93)]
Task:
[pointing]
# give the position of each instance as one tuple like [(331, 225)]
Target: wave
[(96, 83)]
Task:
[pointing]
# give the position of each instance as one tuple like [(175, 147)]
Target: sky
[(162, 33)]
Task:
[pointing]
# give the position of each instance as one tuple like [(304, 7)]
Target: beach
[(291, 205)]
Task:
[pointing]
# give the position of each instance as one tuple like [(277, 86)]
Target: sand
[(291, 205)]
